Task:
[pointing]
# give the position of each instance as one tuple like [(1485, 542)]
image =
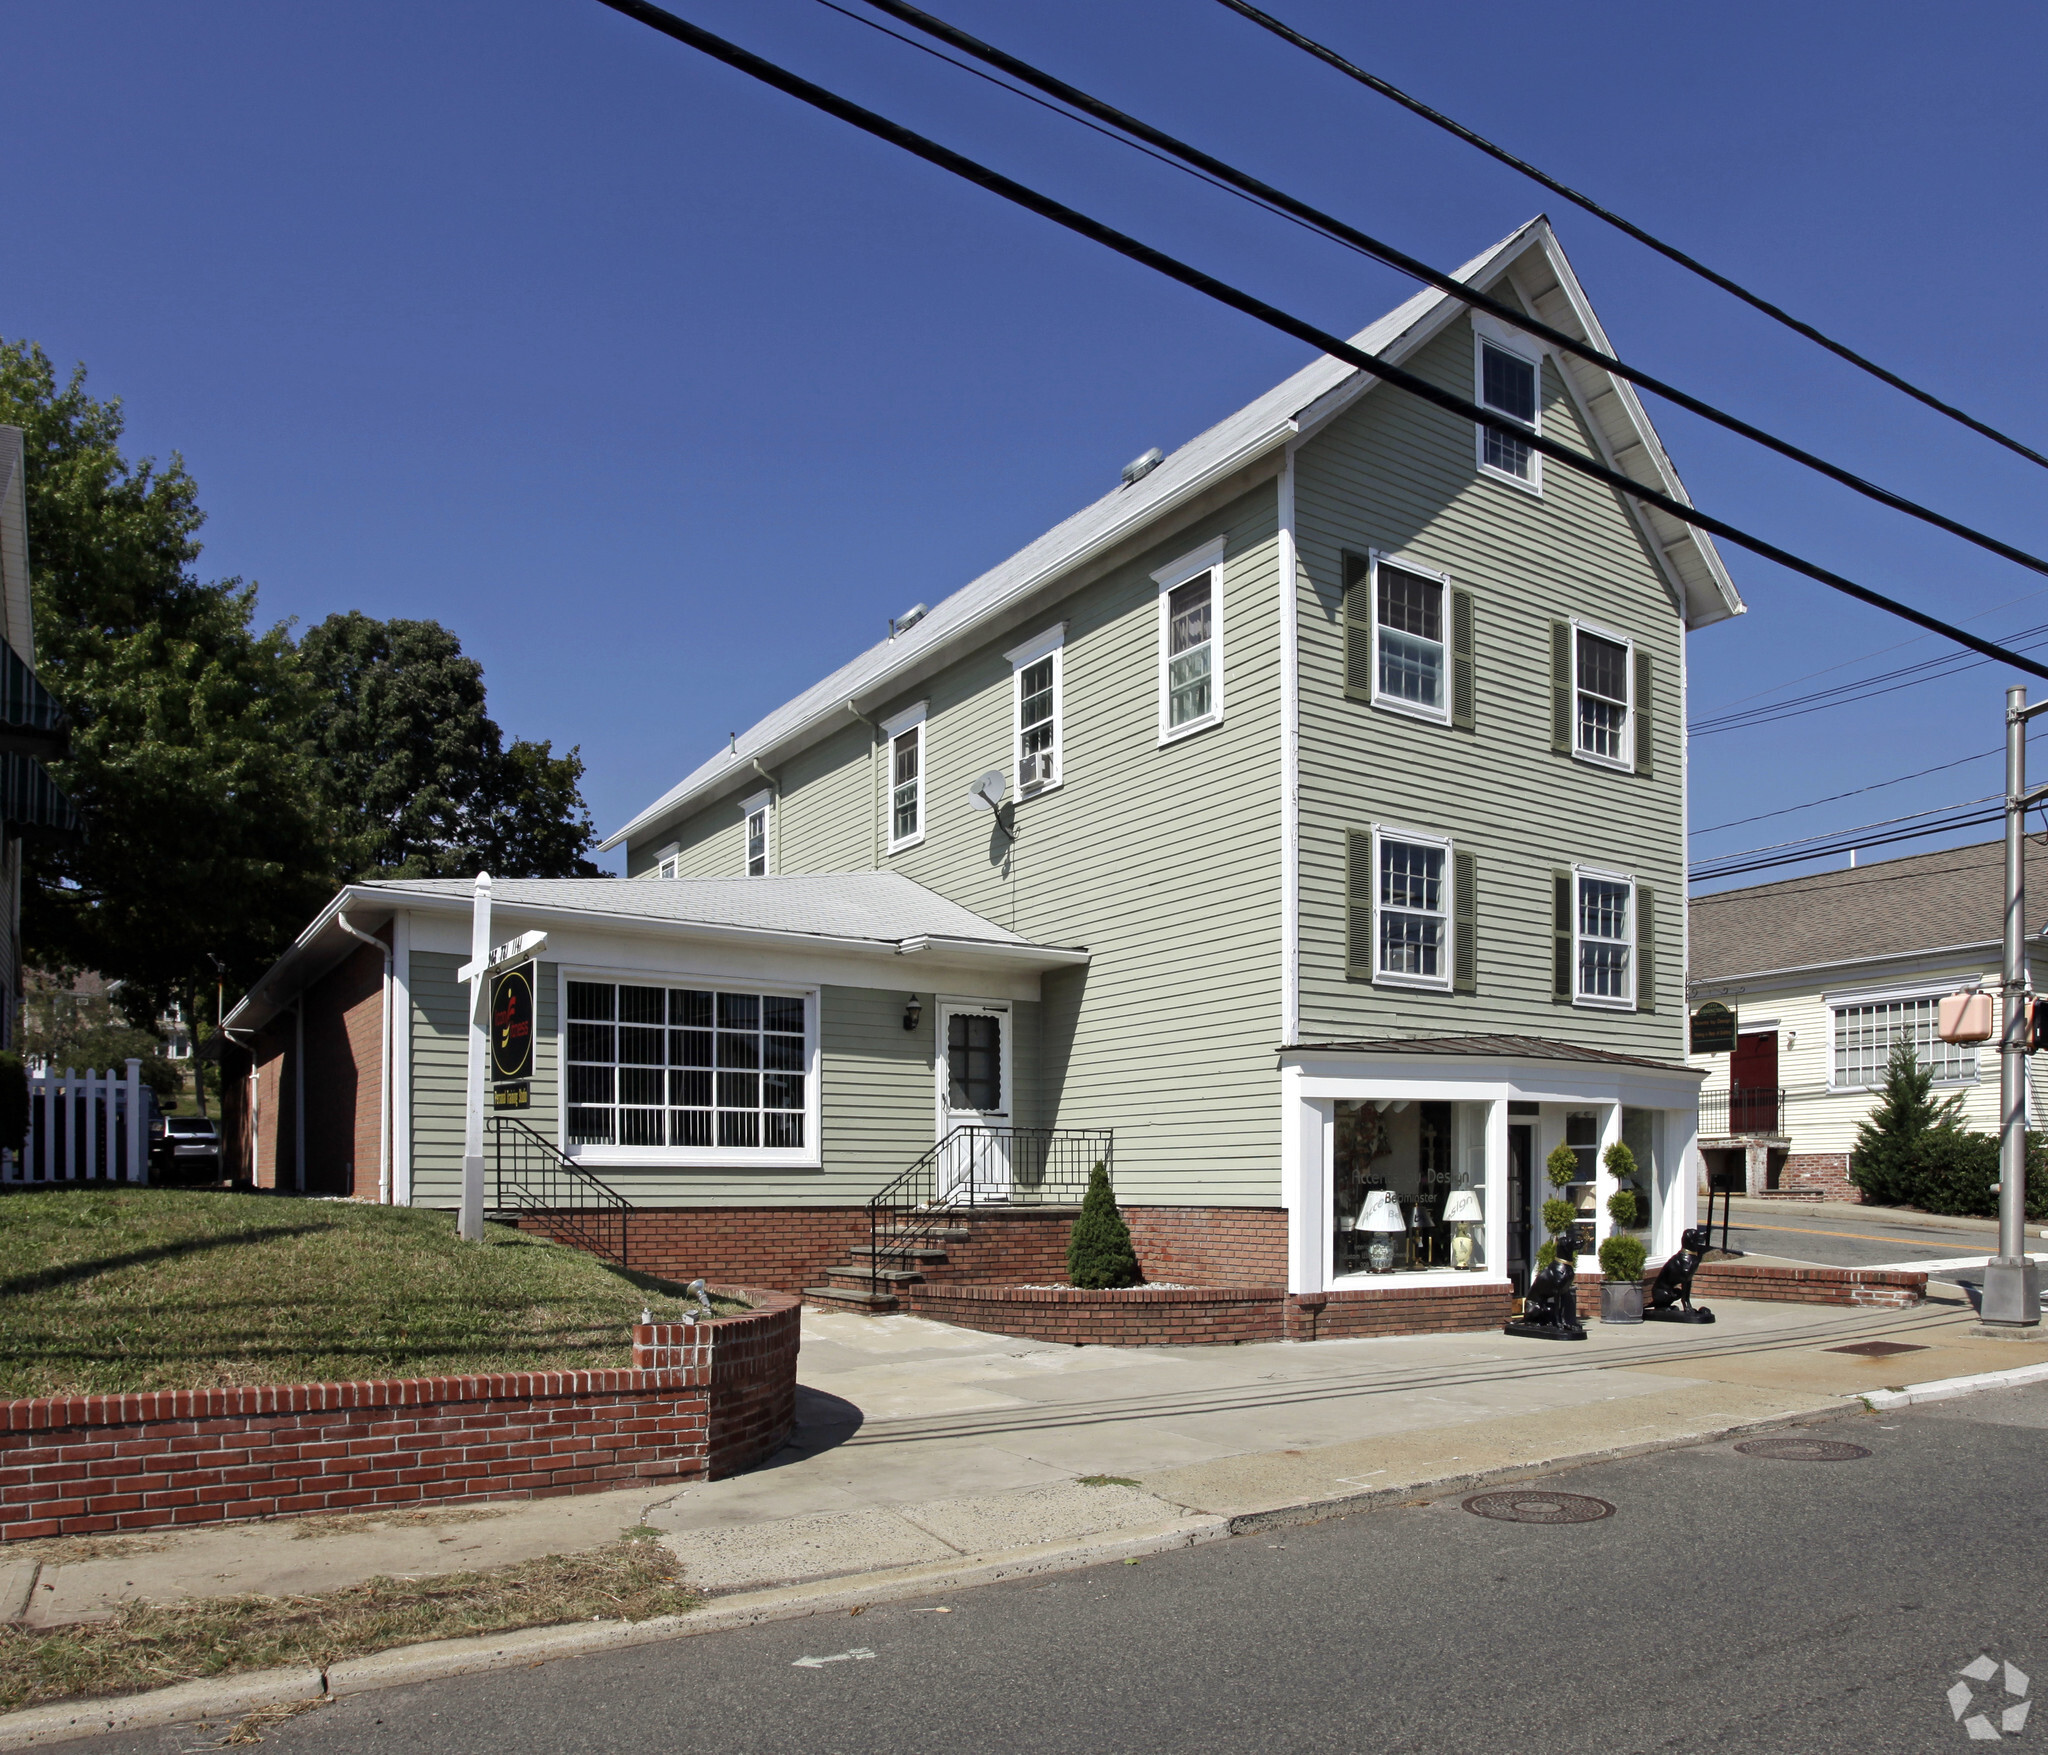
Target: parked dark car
[(182, 1145)]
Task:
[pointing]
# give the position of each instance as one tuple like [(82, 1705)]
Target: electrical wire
[(1711, 871), (1853, 792), (970, 170), (1911, 816), (1218, 173), (1329, 57)]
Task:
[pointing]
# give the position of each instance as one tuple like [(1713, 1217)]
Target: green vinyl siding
[(1163, 861), (1395, 475), (440, 1072)]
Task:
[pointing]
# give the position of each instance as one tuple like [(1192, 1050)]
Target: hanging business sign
[(512, 1037), (1713, 1029)]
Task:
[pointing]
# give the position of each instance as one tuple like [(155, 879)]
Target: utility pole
[(2012, 1283)]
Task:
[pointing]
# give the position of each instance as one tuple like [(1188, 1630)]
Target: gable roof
[(1950, 900), (1699, 578)]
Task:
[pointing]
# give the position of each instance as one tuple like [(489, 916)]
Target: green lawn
[(105, 1290)]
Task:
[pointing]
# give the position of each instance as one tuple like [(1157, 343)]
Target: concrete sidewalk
[(921, 1445)]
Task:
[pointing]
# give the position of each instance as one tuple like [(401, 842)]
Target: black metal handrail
[(530, 1174), (981, 1167), (1753, 1109)]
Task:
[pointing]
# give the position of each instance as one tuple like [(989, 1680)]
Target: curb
[(231, 1697), (1946, 1389)]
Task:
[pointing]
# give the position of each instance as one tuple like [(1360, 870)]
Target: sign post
[(500, 993)]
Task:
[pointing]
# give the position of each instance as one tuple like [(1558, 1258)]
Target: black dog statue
[(1671, 1295), (1551, 1310)]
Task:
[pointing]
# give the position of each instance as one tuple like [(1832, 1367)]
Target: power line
[(1218, 173), (1854, 829), (970, 170), (1330, 57), (1715, 872), (1853, 792)]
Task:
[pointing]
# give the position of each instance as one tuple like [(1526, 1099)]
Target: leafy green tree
[(208, 826), (1892, 1145), (1099, 1252), (427, 782)]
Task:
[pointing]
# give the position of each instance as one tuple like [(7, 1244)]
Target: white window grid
[(1411, 639), (1603, 696), (1863, 1036), (1412, 927), (1038, 712), (1603, 938), (1191, 642), (1508, 379), (903, 798)]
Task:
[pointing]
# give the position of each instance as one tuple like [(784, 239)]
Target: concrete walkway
[(920, 1444)]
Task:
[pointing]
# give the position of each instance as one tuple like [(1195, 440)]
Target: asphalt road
[(1729, 1603), (1868, 1238)]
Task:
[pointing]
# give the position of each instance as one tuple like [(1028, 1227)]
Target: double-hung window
[(903, 742), (1509, 375), (1408, 640), (1602, 703), (1191, 642), (755, 815), (1412, 910), (1037, 684), (654, 1072), (1867, 1030), (1604, 922)]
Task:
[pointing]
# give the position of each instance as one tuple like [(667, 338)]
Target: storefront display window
[(1408, 1188)]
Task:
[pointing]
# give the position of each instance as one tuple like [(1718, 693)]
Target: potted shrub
[(1560, 1216), (1621, 1290)]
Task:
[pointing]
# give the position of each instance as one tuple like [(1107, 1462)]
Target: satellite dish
[(987, 792)]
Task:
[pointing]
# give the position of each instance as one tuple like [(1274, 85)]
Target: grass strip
[(145, 1645)]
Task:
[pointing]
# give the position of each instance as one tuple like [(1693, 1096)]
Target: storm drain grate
[(1802, 1449), (1879, 1349), (1526, 1507)]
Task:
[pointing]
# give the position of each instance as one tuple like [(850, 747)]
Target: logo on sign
[(512, 1023)]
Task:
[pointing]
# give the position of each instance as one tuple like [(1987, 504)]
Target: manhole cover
[(1539, 1507), (1879, 1349), (1802, 1449)]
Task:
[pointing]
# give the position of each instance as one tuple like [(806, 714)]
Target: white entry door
[(974, 1093)]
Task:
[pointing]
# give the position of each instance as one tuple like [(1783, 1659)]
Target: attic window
[(1508, 385)]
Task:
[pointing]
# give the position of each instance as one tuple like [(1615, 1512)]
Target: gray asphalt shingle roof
[(1492, 1048), (1924, 902), (880, 905)]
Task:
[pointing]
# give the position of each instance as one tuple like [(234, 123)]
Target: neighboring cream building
[(1825, 973)]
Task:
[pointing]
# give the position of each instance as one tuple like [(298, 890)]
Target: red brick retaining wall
[(782, 1248), (1396, 1310), (1211, 1246), (1825, 1173), (1141, 1316), (696, 1408), (1807, 1285)]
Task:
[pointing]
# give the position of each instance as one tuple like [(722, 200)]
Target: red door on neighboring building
[(1753, 1083)]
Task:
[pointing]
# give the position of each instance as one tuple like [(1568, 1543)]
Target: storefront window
[(1408, 1188), (1582, 1134), (1639, 1134)]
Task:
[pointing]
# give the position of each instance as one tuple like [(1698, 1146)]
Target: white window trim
[(1628, 678), (1393, 703), (764, 802), (1912, 993), (910, 719), (1206, 559), (1420, 838), (809, 1156), (666, 860), (1050, 644), (1600, 1001), (1487, 332)]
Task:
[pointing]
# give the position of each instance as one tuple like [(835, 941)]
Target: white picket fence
[(83, 1127)]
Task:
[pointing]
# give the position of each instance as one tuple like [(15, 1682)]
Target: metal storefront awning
[(30, 799), (31, 721)]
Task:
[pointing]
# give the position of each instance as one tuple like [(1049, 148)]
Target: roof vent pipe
[(1138, 468), (902, 624)]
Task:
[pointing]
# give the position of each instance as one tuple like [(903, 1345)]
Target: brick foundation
[(1210, 1246), (1355, 1312), (1818, 1175), (781, 1249), (689, 1409)]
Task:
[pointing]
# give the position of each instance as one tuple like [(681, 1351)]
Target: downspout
[(299, 1093), (384, 1076), (774, 818), (874, 803)]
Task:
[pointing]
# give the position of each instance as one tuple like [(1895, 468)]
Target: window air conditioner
[(1034, 771)]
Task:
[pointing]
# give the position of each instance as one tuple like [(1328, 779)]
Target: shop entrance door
[(1521, 1156)]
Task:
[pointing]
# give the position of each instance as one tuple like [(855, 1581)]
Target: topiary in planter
[(1622, 1258), (1099, 1252), (1624, 1205), (13, 1103)]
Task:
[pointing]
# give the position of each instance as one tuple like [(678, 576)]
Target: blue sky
[(666, 393)]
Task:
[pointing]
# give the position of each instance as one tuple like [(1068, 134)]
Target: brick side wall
[(1826, 1172), (72, 1465), (344, 1069), (1808, 1285), (1211, 1246), (1396, 1310), (1139, 1317), (781, 1249)]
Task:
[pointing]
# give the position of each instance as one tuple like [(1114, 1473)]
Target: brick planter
[(689, 1408)]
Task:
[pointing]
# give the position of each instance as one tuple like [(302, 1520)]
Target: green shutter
[(1561, 687), (1642, 711), (1465, 923), (1561, 939), (1357, 629), (1646, 949), (1358, 891), (1461, 660)]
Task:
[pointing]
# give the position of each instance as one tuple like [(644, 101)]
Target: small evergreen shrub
[(13, 1103), (1562, 1166), (1892, 1146), (1622, 1258), (1099, 1252), (1559, 1216), (1624, 1205)]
